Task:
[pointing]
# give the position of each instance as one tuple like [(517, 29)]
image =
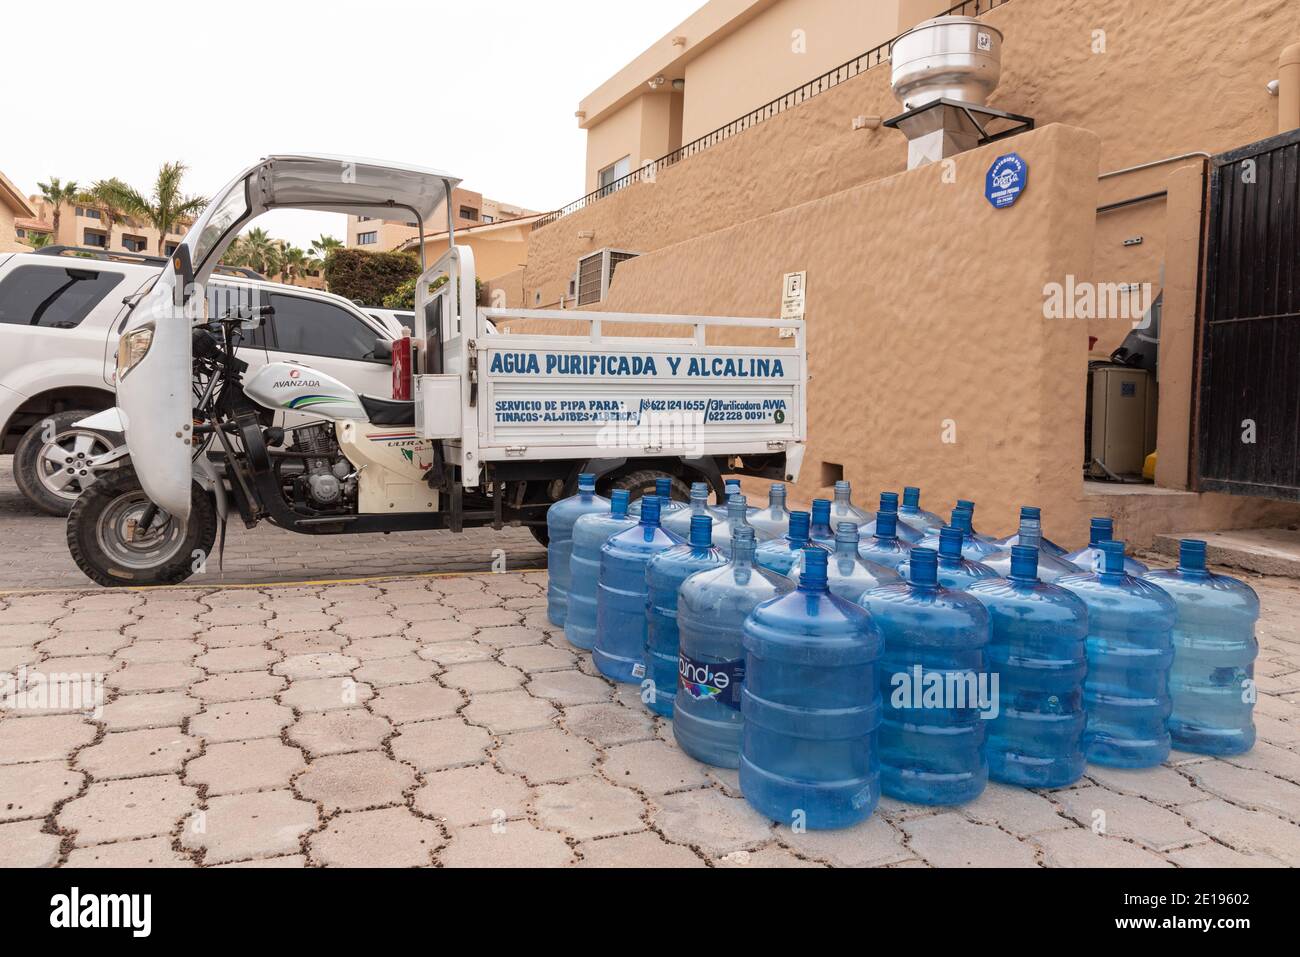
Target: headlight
[(132, 348)]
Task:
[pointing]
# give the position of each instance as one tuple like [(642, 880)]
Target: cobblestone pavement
[(34, 550), (442, 721)]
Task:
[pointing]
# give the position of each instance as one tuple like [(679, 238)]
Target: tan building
[(726, 59), (500, 253), (933, 356), (17, 216), (85, 224), (468, 209)]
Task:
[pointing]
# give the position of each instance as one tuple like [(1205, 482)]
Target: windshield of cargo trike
[(221, 219)]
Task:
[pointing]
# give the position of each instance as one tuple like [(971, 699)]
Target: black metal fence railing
[(846, 71)]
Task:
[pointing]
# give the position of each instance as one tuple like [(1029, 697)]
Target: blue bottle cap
[(701, 531), (586, 482), (731, 483), (1024, 562), (886, 524), (847, 532), (650, 510), (618, 501), (1191, 555), (813, 575), (821, 511), (923, 566), (743, 545), (966, 504), (911, 496), (776, 494), (1100, 530), (700, 490), (798, 527), (664, 488), (950, 540), (737, 506), (1031, 511), (1112, 557), (962, 518), (889, 501), (843, 486)]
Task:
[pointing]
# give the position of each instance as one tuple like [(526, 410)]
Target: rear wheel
[(110, 543), (52, 461), (642, 482)]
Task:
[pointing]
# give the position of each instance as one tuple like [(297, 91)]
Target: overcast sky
[(485, 89)]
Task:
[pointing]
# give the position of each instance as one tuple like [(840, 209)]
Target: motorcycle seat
[(388, 411)]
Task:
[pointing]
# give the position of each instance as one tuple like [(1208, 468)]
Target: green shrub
[(403, 297), (369, 278)]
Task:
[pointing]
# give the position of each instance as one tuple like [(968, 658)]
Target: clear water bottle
[(819, 527), (811, 706), (884, 547), (622, 595), (785, 555), (911, 513), (1033, 515), (843, 509), (955, 570), (935, 685), (1090, 559), (773, 521), (1038, 651), (664, 492), (969, 506), (730, 487), (1130, 650), (678, 521), (849, 574), (737, 518), (1212, 679), (905, 532), (664, 577), (590, 533), (973, 547), (1050, 567), (711, 610), (560, 519)]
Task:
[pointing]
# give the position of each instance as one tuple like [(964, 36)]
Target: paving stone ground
[(442, 721)]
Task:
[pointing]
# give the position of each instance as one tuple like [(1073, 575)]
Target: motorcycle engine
[(328, 479)]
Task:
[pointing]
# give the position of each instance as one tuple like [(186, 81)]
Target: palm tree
[(56, 194), (326, 244), (166, 207), (236, 254), (37, 240), (107, 195), (293, 262), (260, 251)]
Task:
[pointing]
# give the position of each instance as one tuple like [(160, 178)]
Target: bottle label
[(719, 681), (638, 670)]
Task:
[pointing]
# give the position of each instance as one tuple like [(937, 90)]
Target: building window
[(489, 219), (611, 174), (468, 212), (20, 233), (92, 214), (172, 247), (80, 210), (366, 239), (134, 244), (91, 237)]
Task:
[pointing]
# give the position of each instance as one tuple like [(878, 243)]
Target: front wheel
[(111, 543)]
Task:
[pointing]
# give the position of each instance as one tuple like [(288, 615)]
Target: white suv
[(61, 311)]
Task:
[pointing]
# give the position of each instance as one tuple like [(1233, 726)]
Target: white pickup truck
[(499, 425)]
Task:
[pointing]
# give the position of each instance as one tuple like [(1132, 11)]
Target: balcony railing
[(833, 78)]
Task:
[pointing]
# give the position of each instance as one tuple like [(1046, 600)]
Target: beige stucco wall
[(8, 240), (643, 130)]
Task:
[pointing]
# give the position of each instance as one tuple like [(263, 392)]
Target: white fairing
[(300, 388)]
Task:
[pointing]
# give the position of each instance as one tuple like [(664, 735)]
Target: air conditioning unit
[(596, 271)]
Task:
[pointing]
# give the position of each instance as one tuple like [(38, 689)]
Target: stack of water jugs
[(834, 655)]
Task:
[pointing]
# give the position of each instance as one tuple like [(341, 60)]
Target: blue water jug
[(773, 521), (737, 518), (664, 492), (905, 532), (969, 506), (936, 687), (848, 574), (955, 570), (819, 526), (590, 533), (1051, 567), (560, 519), (730, 487), (678, 521), (1212, 682), (664, 577), (1034, 517), (1090, 559), (884, 547), (811, 706), (711, 610), (1130, 650), (785, 555), (1038, 651), (843, 509), (911, 513), (622, 594), (973, 547)]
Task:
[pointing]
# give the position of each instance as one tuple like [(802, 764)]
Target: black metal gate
[(1248, 422)]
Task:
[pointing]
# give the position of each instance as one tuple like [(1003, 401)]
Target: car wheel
[(51, 463)]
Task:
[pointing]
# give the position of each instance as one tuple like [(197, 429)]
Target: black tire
[(35, 477), (642, 482), (541, 533), (98, 544)]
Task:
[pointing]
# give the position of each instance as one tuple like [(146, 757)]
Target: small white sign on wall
[(794, 286)]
